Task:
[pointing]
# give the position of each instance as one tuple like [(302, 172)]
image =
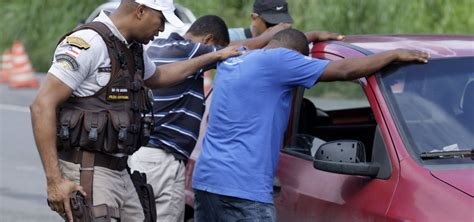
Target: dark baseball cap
[(273, 11)]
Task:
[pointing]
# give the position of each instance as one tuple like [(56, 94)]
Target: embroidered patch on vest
[(117, 93), (78, 42), (67, 60)]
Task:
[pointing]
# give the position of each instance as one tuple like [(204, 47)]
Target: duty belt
[(100, 159)]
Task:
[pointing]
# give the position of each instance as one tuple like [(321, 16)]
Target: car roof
[(437, 45)]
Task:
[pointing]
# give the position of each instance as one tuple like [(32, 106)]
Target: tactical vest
[(113, 119)]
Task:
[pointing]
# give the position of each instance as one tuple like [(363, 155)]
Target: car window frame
[(295, 114)]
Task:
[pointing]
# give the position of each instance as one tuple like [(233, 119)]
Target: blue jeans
[(210, 207)]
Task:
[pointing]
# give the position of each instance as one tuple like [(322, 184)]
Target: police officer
[(88, 110)]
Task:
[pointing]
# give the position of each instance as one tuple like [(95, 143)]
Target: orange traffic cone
[(22, 75), (6, 67)]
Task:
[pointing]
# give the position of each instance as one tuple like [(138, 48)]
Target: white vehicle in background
[(183, 13)]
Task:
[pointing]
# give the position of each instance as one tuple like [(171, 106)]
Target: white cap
[(166, 7)]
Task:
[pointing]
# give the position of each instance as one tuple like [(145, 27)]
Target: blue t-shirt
[(247, 118)]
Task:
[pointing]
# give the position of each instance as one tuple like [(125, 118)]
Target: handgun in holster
[(81, 211)]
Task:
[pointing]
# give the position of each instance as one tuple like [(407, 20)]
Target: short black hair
[(211, 24), (293, 39)]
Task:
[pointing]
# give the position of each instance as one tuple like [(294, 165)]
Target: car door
[(303, 193)]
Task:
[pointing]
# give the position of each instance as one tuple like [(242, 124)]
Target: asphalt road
[(22, 181)]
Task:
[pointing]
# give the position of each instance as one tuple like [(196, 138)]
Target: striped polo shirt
[(178, 109)]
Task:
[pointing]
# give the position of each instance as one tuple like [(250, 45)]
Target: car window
[(331, 111), (337, 95), (433, 105)]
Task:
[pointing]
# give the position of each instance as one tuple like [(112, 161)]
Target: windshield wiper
[(447, 154)]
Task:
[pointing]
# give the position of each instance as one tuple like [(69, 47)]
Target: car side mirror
[(344, 157)]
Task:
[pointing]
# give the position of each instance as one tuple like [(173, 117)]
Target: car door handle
[(276, 185), (276, 182)]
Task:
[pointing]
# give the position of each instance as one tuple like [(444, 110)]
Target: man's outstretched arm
[(317, 36), (43, 117), (261, 40), (170, 74), (351, 69)]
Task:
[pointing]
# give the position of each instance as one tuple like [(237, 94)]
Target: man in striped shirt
[(178, 111)]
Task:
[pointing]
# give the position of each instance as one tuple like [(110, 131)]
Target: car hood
[(461, 179)]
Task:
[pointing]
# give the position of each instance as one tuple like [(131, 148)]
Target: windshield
[(433, 105)]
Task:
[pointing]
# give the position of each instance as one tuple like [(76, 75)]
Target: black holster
[(145, 194), (81, 211), (82, 207)]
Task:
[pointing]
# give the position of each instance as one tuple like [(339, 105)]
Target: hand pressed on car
[(405, 55), (316, 36)]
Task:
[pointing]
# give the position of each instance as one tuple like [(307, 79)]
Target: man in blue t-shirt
[(233, 176)]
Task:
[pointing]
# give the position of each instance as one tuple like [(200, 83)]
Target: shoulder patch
[(78, 42), (67, 60)]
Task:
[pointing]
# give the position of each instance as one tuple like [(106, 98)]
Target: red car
[(397, 147)]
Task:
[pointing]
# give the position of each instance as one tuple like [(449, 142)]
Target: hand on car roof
[(406, 55)]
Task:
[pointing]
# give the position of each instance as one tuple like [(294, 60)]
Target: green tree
[(40, 23)]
